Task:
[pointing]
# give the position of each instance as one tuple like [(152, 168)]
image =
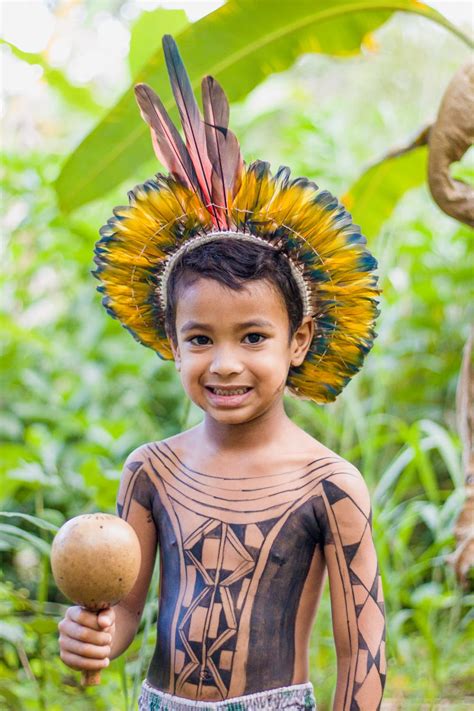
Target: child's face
[(233, 349)]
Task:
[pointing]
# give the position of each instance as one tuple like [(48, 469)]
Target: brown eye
[(255, 338), (199, 340)]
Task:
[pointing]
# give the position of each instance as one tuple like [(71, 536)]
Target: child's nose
[(225, 362)]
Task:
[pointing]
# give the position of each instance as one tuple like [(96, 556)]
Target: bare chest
[(236, 556)]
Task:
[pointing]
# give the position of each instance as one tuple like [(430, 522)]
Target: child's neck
[(257, 434)]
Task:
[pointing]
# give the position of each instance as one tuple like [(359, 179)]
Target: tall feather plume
[(222, 145), (193, 125), (167, 142)]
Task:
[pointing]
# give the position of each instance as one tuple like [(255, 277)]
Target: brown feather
[(167, 142), (222, 145), (191, 121)]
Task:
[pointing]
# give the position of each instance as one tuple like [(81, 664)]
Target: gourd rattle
[(95, 560)]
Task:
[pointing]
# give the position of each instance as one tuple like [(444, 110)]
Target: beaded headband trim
[(211, 194), (212, 237)]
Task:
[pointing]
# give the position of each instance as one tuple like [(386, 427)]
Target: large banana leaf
[(149, 27), (240, 44), (374, 196)]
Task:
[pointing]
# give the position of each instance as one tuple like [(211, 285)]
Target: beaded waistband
[(297, 697)]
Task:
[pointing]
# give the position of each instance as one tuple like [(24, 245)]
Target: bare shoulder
[(146, 450), (336, 469), (299, 444), (139, 456), (314, 449), (181, 440), (150, 453), (136, 469), (344, 480), (341, 477)]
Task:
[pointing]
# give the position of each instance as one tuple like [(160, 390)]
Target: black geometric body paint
[(237, 556)]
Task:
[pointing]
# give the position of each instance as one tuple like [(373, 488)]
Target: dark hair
[(233, 262)]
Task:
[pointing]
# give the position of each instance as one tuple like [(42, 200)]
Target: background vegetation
[(79, 394)]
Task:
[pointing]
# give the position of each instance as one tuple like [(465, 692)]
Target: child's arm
[(356, 592), (88, 640), (134, 505)]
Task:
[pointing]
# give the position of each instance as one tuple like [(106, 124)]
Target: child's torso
[(241, 575)]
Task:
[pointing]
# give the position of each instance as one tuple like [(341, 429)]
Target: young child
[(253, 285)]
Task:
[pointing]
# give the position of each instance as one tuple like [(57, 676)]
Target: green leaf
[(373, 198), (425, 595), (41, 625), (240, 44), (147, 29), (22, 535), (426, 472), (46, 525), (17, 333), (464, 169), (7, 694), (446, 449)]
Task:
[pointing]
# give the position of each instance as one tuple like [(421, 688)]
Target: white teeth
[(237, 391)]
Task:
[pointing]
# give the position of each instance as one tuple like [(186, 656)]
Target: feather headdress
[(211, 194)]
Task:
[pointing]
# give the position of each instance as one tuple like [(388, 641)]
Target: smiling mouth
[(228, 391)]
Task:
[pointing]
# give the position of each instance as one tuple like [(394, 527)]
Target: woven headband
[(241, 237), (211, 194)]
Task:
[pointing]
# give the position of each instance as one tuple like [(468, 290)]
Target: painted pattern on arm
[(134, 504), (356, 591), (135, 486)]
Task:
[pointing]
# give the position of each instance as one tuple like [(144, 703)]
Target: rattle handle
[(90, 678)]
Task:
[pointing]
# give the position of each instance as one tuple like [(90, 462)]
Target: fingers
[(79, 663), (82, 649), (106, 618), (84, 641), (102, 621), (93, 620), (72, 630), (83, 617)]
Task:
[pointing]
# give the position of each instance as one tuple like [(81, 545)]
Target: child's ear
[(301, 341), (176, 353)]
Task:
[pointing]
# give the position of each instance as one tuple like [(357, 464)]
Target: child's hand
[(85, 638)]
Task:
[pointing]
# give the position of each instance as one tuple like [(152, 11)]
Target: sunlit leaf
[(147, 30), (447, 449), (21, 536), (373, 198), (39, 522), (240, 44), (42, 625)]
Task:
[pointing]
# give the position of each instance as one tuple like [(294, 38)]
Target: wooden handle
[(90, 678)]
